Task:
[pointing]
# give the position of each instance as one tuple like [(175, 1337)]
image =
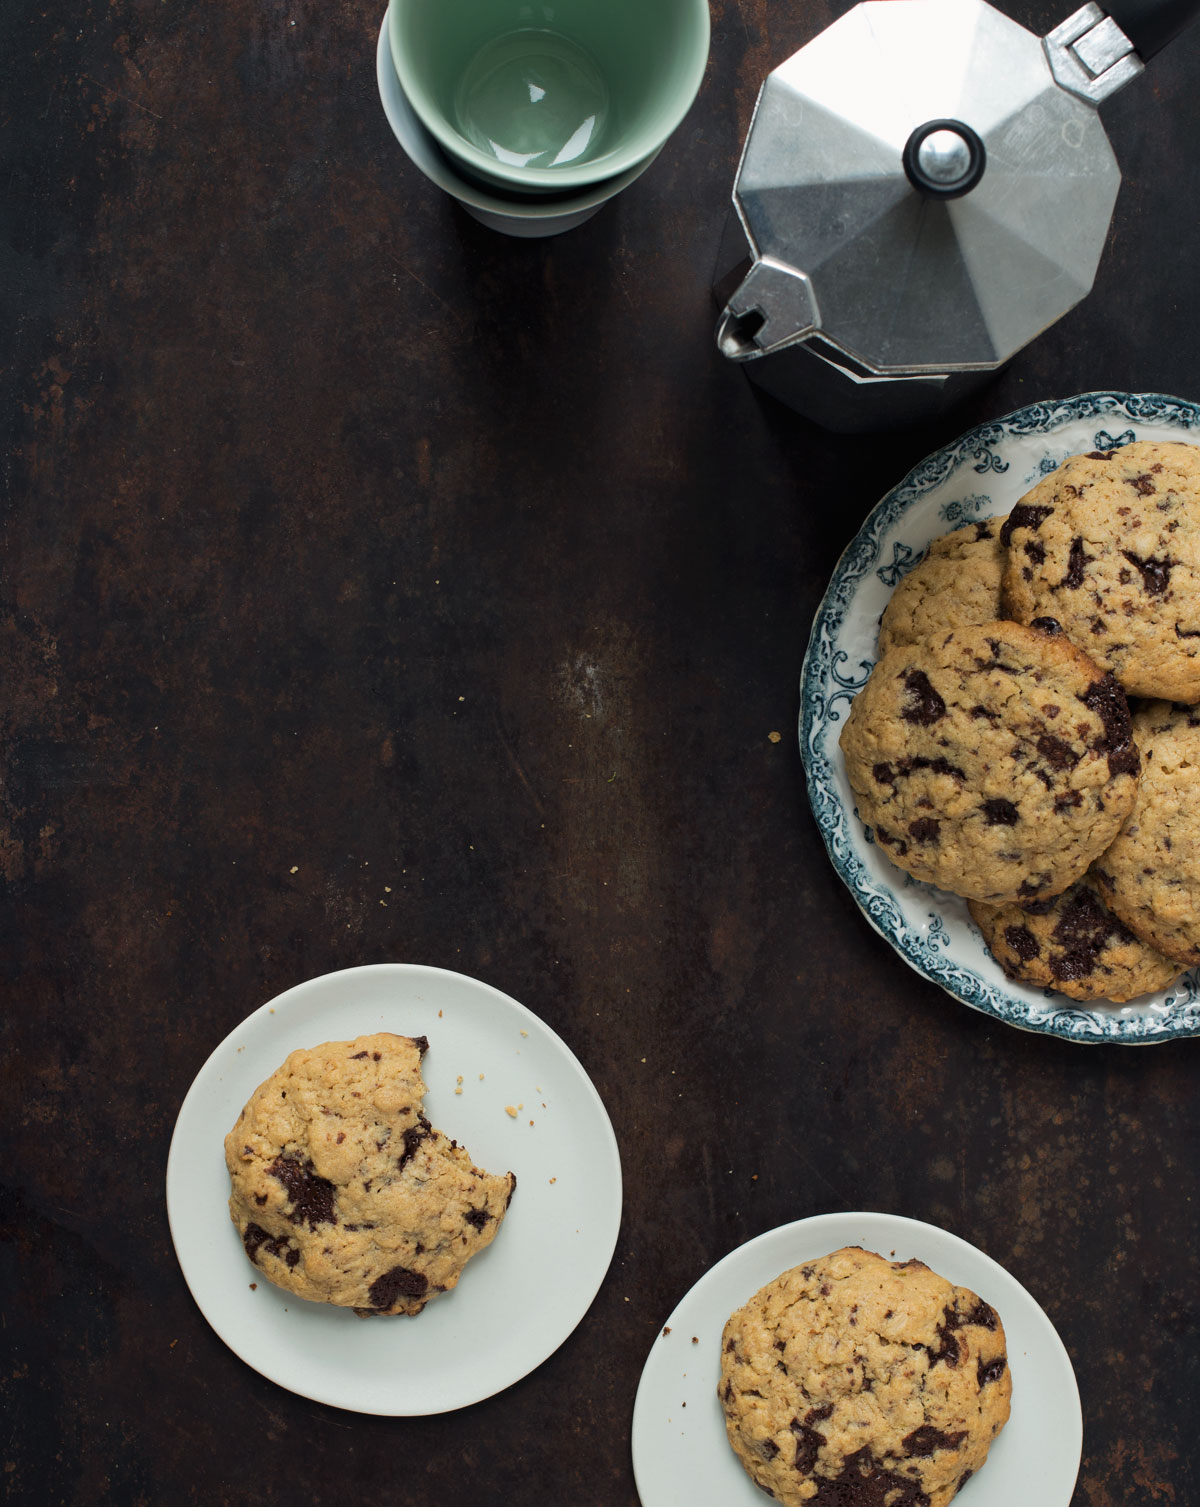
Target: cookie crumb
[(254, 1287), (510, 1111), (524, 1033), (695, 1340), (295, 869), (554, 1179), (666, 1330), (771, 738)]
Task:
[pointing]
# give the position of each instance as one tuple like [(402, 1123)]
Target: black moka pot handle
[(1151, 24)]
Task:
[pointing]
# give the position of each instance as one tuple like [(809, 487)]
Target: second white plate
[(517, 1300), (680, 1449)]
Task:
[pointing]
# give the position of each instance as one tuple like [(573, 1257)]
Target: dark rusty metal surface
[(346, 544)]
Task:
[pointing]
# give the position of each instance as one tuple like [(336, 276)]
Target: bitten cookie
[(994, 761), (957, 583), (344, 1193), (852, 1381), (1073, 943), (1151, 873), (1109, 544)]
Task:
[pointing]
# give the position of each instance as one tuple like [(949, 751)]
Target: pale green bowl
[(652, 54)]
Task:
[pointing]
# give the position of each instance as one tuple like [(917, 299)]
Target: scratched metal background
[(340, 533)]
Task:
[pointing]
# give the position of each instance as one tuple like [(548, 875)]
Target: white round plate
[(983, 473), (518, 1299), (680, 1449)]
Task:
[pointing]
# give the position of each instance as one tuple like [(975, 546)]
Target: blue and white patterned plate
[(983, 473)]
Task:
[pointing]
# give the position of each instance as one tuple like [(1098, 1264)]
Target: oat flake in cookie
[(1109, 544), (1151, 873), (1075, 944), (956, 584), (344, 1193), (852, 1381), (995, 761)]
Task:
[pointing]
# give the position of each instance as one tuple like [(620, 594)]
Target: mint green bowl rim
[(543, 178)]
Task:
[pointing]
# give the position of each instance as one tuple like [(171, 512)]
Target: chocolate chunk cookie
[(1073, 943), (995, 761), (957, 583), (343, 1192), (852, 1381), (1151, 873), (1109, 545)]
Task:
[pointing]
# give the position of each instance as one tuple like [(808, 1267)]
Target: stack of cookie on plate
[(993, 750)]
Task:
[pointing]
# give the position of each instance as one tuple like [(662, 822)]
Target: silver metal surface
[(781, 301), (905, 283), (1103, 46), (834, 391), (945, 157), (1090, 55), (824, 383)]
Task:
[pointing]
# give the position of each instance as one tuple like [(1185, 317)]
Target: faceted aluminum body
[(842, 246)]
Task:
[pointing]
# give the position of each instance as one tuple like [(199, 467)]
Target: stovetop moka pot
[(925, 187)]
